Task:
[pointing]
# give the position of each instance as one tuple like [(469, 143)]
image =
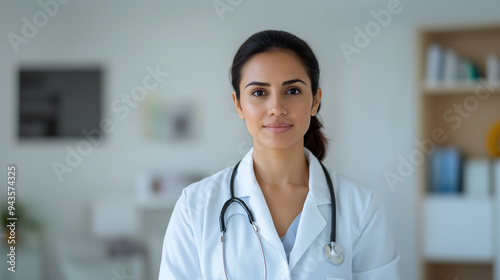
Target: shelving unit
[(459, 234)]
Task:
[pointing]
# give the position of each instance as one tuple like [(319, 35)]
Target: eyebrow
[(289, 82)]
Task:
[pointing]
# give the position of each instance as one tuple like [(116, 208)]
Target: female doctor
[(271, 216)]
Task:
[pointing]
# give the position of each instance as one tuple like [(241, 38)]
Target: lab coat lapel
[(246, 185), (265, 222), (312, 222)]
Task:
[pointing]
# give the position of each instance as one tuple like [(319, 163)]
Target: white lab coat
[(192, 248)]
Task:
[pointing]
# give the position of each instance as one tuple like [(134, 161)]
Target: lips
[(278, 127)]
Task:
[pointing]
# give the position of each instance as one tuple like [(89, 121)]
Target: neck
[(281, 168)]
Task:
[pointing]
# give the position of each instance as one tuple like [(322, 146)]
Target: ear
[(316, 102), (238, 106)]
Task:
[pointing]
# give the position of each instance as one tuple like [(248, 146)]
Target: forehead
[(276, 65)]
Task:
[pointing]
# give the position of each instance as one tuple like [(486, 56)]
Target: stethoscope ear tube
[(334, 205), (333, 252), (233, 174), (250, 219), (231, 200)]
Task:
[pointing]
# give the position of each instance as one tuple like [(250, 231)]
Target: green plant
[(22, 222)]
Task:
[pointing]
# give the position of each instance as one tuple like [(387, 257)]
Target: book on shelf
[(451, 67), (444, 170), (446, 67), (493, 69), (434, 64), (477, 177)]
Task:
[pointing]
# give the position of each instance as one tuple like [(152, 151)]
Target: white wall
[(369, 104)]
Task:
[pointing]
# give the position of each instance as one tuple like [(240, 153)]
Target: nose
[(277, 105)]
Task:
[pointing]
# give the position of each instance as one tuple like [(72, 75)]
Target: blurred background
[(109, 108)]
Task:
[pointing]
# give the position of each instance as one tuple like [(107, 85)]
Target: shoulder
[(349, 187), (356, 198)]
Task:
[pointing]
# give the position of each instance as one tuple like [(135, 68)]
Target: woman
[(275, 77)]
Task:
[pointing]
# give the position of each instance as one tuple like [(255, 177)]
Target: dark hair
[(269, 40)]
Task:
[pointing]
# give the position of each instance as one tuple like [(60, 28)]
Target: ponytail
[(315, 140)]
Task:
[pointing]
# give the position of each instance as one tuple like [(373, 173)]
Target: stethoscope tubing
[(333, 234), (251, 219), (261, 250)]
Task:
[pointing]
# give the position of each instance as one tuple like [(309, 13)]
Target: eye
[(293, 91), (258, 92)]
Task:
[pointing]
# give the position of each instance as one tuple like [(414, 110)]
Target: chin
[(277, 144)]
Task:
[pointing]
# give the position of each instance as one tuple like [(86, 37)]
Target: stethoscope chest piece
[(335, 256)]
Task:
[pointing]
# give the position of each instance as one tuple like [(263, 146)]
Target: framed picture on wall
[(58, 102)]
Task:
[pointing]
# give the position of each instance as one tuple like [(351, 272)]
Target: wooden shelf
[(452, 271), (472, 43), (461, 89), (468, 131), (459, 238)]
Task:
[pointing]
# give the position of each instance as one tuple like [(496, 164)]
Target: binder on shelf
[(451, 67), (477, 177), (434, 65), (492, 69), (433, 171), (474, 73), (470, 73), (463, 71), (445, 171), (496, 178)]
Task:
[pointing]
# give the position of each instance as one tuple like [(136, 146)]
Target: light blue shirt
[(289, 238)]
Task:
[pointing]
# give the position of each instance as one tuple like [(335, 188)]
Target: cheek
[(303, 112), (306, 122), (303, 118), (252, 110)]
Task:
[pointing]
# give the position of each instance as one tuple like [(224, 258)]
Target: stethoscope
[(333, 252)]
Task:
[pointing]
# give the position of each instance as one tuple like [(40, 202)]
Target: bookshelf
[(459, 234)]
